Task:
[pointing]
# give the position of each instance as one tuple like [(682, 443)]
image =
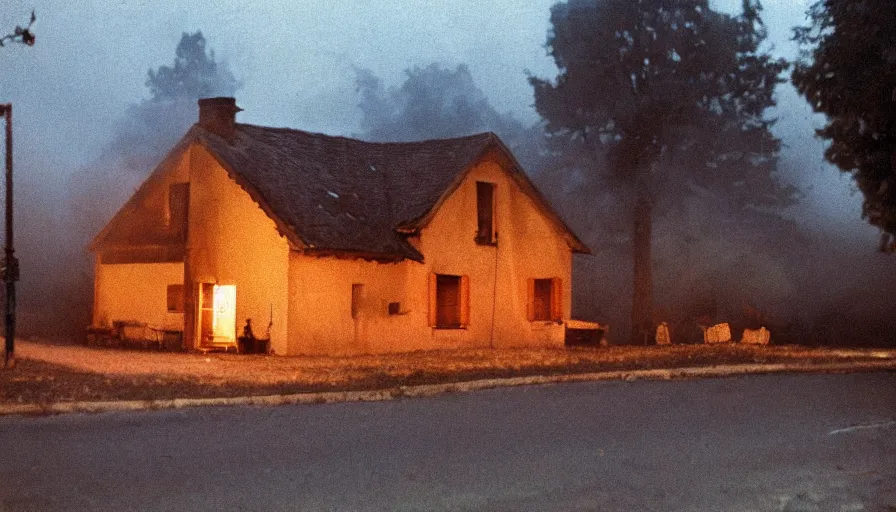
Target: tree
[(847, 71), (433, 102), (195, 73), (672, 96), (152, 126)]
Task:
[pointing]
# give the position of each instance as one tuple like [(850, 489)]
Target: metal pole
[(11, 265)]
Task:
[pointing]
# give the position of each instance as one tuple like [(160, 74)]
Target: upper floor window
[(178, 205), (485, 213)]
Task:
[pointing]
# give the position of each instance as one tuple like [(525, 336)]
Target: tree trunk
[(642, 296)]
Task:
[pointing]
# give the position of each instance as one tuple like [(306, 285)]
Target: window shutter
[(530, 300), (556, 299), (433, 301), (464, 301)]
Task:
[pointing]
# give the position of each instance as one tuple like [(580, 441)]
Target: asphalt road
[(782, 442)]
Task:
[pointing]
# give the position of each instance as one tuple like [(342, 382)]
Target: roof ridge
[(484, 135)]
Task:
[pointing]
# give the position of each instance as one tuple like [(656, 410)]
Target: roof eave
[(380, 257), (97, 243), (293, 238)]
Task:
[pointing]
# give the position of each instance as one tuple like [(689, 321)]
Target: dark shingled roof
[(338, 195)]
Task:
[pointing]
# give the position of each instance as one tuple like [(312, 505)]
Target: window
[(395, 308), (485, 219), (449, 301), (178, 204), (545, 300), (357, 296), (175, 298)]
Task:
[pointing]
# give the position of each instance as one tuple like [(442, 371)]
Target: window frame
[(486, 234), (463, 302), (555, 300), (175, 291), (357, 300)]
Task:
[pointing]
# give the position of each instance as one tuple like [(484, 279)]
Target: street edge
[(425, 390)]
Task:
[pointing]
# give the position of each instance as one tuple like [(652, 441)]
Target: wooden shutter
[(556, 299), (530, 300), (433, 300), (464, 301)]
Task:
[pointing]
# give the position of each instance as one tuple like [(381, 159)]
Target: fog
[(812, 274)]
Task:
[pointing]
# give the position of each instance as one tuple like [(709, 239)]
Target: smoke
[(59, 222), (432, 103), (807, 279), (714, 259)]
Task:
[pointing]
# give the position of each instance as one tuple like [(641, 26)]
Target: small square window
[(394, 308), (175, 298)]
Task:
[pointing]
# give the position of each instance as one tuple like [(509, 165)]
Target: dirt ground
[(56, 372)]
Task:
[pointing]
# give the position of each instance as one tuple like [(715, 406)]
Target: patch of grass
[(38, 382)]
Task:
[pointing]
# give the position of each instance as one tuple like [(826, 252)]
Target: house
[(332, 245)]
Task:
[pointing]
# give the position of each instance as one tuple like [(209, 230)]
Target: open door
[(217, 315)]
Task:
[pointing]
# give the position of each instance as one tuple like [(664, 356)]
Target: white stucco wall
[(136, 292), (528, 247), (232, 241)]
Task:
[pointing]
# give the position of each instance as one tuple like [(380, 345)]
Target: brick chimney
[(218, 115)]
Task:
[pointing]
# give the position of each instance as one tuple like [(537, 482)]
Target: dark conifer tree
[(847, 71), (671, 98)]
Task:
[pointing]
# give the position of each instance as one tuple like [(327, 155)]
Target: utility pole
[(10, 271)]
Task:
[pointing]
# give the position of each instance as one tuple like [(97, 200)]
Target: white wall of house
[(136, 292), (232, 241), (320, 297), (528, 246)]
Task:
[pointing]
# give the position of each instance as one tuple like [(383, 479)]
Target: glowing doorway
[(217, 314)]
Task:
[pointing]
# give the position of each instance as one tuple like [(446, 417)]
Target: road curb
[(425, 390)]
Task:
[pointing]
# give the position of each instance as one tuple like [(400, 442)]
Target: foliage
[(847, 71), (672, 97), (433, 102), (21, 34), (195, 73), (676, 92), (152, 126)]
